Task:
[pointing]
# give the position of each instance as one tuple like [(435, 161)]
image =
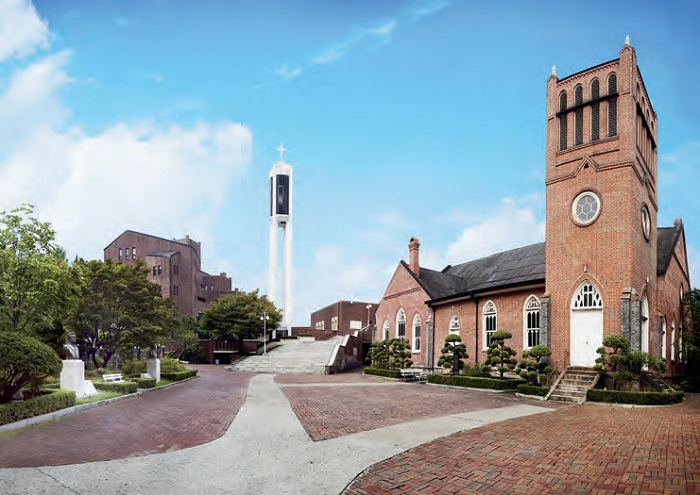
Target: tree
[(24, 361), (499, 354), (37, 286), (239, 316), (531, 366), (119, 308), (611, 360), (390, 354), (690, 340), (453, 343)]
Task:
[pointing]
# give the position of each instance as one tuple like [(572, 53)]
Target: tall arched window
[(416, 334), (587, 297), (645, 323), (454, 325), (563, 127), (387, 328), (673, 339), (578, 115), (489, 315), (663, 340), (531, 322), (612, 105), (401, 324), (595, 110)]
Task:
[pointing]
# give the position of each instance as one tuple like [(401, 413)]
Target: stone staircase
[(573, 384), (293, 356)]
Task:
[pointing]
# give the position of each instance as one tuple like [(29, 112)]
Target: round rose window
[(646, 222), (586, 208)]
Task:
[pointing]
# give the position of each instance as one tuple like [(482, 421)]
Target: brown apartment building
[(344, 317), (175, 265)]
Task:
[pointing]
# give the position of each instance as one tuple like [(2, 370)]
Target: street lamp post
[(264, 319)]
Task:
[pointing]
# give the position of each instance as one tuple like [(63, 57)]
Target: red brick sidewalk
[(182, 416), (590, 449)]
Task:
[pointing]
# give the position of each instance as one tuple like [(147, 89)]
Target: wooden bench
[(113, 378), (412, 375)]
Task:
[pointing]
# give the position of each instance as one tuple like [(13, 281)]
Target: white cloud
[(21, 29), (427, 8), (289, 72)]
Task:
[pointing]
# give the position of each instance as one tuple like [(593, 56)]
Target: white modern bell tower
[(281, 217)]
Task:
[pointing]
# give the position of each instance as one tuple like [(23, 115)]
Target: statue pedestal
[(73, 378), (153, 368)]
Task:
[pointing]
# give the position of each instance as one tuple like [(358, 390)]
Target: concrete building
[(175, 265), (604, 268)]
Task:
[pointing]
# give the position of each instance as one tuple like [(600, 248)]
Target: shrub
[(527, 389), (145, 382), (170, 365), (453, 343), (180, 375), (390, 354), (134, 367), (41, 404), (639, 359), (24, 361), (476, 382), (531, 367), (639, 398), (118, 387), (499, 354), (383, 372)]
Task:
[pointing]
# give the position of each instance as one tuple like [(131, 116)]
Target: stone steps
[(291, 357), (573, 385)]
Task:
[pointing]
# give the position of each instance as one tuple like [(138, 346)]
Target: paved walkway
[(590, 449), (178, 417), (266, 450)]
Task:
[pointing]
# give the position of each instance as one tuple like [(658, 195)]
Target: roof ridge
[(498, 253)]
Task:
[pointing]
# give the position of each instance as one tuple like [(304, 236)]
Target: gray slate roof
[(666, 240)]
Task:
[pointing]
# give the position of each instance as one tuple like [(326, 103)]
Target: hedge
[(527, 389), (383, 372), (476, 382), (118, 387), (180, 375), (42, 404), (638, 398), (145, 382)]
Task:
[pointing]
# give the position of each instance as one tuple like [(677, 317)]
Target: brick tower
[(601, 180)]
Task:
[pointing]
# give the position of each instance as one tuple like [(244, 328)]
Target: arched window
[(563, 128), (587, 297), (387, 328), (612, 105), (663, 340), (673, 339), (401, 324), (578, 115), (531, 322), (416, 333), (454, 325), (645, 323), (595, 110), (682, 293), (489, 315)]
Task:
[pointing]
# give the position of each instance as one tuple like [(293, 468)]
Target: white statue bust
[(71, 347)]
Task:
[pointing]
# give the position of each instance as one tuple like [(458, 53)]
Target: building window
[(489, 322), (563, 127), (176, 290), (387, 329), (454, 325), (211, 287), (532, 322), (673, 339), (588, 297), (355, 325), (585, 208), (578, 115), (416, 334), (663, 340), (176, 269), (320, 325), (612, 105), (126, 253), (133, 252), (160, 269), (334, 323), (401, 324), (120, 254), (155, 270)]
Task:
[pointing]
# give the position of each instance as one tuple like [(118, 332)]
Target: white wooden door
[(586, 336)]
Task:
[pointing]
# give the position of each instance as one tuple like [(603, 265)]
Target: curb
[(82, 407)]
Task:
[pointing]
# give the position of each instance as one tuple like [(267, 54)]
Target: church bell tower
[(281, 218)]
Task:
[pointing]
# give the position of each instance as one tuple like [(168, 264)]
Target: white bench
[(409, 374), (113, 378)]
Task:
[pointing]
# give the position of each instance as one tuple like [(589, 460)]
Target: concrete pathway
[(266, 450)]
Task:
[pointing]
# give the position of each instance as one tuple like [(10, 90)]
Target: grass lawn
[(95, 398)]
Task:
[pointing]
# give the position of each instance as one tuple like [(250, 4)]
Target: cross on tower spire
[(281, 149)]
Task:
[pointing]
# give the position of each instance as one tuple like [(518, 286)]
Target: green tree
[(239, 316), (36, 283), (453, 342), (611, 356), (390, 354), (531, 366), (24, 361), (690, 340), (499, 354), (119, 308)]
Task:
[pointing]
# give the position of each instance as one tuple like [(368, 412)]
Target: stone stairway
[(572, 386), (293, 356)]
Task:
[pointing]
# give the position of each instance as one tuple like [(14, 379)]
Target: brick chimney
[(677, 222), (413, 255)]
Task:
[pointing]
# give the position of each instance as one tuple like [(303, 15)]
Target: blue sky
[(401, 118)]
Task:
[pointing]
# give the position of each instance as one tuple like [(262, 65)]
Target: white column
[(272, 289), (288, 275)]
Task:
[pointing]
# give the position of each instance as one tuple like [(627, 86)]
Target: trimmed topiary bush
[(145, 382), (118, 387), (41, 404), (638, 398), (390, 354), (499, 354), (476, 382), (383, 372), (24, 361), (453, 342), (527, 389), (531, 367), (180, 375)]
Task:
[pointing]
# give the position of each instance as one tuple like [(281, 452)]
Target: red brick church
[(605, 267)]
